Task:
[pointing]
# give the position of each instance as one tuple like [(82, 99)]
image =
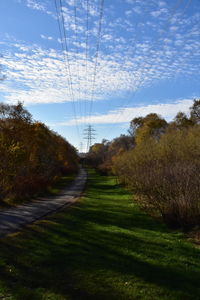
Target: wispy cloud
[(35, 5), (130, 58), (166, 110), (44, 37), (41, 5)]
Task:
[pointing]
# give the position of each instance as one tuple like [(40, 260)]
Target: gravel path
[(15, 218)]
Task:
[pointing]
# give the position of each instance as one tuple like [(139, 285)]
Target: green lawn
[(104, 247)]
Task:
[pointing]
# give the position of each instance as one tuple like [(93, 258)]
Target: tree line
[(32, 155), (160, 162)]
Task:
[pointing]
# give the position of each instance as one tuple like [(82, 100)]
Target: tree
[(97, 153), (182, 121), (195, 111), (33, 155), (150, 126), (135, 124), (121, 144)]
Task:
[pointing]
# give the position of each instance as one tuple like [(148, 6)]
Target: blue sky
[(141, 57)]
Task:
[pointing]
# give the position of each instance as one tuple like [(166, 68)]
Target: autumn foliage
[(165, 175), (163, 169), (101, 155), (160, 163), (32, 156)]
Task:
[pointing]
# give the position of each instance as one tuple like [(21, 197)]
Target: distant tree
[(15, 112), (121, 144), (97, 153), (135, 124), (181, 120), (195, 111), (101, 154), (105, 142), (150, 126)]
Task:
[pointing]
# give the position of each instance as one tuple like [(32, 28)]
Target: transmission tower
[(89, 136)]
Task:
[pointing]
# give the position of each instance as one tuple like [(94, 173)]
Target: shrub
[(165, 175)]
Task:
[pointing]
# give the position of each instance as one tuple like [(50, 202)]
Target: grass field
[(103, 247)]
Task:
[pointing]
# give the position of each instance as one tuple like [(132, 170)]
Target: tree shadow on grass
[(95, 252)]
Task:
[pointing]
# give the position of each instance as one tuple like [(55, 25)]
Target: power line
[(86, 54), (97, 54), (77, 53), (62, 31), (66, 47)]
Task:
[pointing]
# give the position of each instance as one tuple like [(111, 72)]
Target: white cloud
[(107, 37), (50, 38), (129, 58), (40, 6), (35, 5), (137, 10), (125, 115), (156, 13), (173, 28), (161, 3), (128, 13), (45, 71)]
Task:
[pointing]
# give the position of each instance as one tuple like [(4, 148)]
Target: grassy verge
[(104, 247)]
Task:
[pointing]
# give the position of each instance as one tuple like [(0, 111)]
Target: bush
[(165, 175)]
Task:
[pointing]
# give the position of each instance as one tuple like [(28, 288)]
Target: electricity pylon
[(89, 136)]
